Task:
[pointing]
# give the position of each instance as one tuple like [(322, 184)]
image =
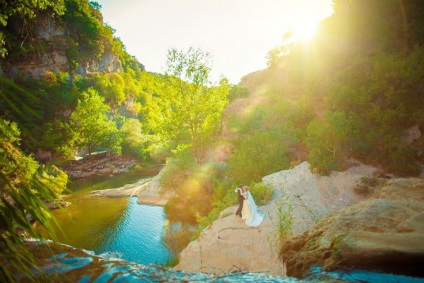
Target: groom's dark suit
[(240, 201)]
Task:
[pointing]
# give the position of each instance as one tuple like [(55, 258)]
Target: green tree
[(24, 191), (257, 155), (91, 123), (193, 107), (331, 140), (134, 143), (237, 91), (59, 138)]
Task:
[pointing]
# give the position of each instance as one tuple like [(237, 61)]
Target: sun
[(304, 30)]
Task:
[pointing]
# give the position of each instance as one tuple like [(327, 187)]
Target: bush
[(54, 178), (237, 92), (323, 163), (261, 193), (402, 162), (366, 185), (258, 155), (176, 171), (176, 240)]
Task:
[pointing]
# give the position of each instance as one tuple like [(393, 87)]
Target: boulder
[(313, 196), (151, 193), (229, 245), (383, 233)]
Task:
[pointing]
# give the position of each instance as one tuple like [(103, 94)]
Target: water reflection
[(114, 225), (137, 236)]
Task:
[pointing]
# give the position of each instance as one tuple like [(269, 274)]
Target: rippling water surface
[(119, 226), (137, 235)]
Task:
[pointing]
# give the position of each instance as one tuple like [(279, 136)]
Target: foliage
[(86, 29), (385, 104), (23, 15), (330, 140), (366, 185), (112, 87), (183, 176), (276, 53), (176, 170), (261, 193), (176, 239), (134, 143), (91, 123), (237, 91), (223, 196), (363, 89), (22, 201), (54, 178), (59, 138), (257, 155), (284, 219), (191, 110)]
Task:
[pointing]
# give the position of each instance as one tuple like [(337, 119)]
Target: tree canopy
[(193, 108)]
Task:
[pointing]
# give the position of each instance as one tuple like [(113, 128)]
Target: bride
[(250, 210)]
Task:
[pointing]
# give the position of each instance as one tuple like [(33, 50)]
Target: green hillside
[(68, 86)]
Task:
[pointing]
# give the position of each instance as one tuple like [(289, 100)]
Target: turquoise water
[(137, 236), (119, 227), (85, 269)]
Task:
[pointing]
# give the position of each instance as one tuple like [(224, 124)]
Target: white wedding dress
[(250, 211)]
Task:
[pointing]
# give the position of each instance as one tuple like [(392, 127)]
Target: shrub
[(402, 162), (237, 91), (324, 163), (176, 171), (367, 184), (176, 240), (261, 193), (258, 155)]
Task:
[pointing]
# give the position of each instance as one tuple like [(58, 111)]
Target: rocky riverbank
[(229, 245), (383, 233), (147, 191), (99, 164)]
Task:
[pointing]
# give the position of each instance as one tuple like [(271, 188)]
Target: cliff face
[(230, 245), (383, 233), (52, 57)]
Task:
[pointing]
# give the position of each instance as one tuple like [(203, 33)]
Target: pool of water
[(118, 226), (137, 235)]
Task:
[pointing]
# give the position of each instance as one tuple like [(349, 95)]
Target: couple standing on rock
[(247, 209)]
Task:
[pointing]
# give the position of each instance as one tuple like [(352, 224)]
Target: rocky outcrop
[(53, 57), (229, 245), (108, 63), (313, 196), (99, 164), (384, 233), (147, 191), (36, 67), (152, 193)]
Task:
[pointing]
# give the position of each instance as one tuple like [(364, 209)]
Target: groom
[(240, 200)]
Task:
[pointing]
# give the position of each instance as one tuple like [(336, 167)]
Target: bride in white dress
[(250, 210)]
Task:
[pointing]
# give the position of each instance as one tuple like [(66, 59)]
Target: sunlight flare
[(304, 31)]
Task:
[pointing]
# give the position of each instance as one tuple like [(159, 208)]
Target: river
[(119, 227)]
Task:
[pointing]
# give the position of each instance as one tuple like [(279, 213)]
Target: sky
[(238, 33)]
